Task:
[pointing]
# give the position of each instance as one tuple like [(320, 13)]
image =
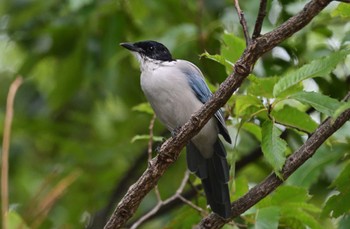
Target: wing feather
[(201, 90)]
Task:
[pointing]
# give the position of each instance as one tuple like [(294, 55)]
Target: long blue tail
[(214, 173)]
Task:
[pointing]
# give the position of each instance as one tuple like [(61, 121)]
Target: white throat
[(148, 64)]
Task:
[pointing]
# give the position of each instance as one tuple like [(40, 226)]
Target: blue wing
[(201, 90)]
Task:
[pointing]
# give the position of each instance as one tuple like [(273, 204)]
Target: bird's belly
[(170, 96), (173, 114), (174, 102), (172, 107)]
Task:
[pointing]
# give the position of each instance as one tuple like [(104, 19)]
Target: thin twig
[(260, 19), (269, 110), (149, 150), (292, 127), (183, 183), (181, 188), (146, 216), (243, 22), (347, 97), (150, 141), (46, 203), (199, 209), (6, 148), (195, 189), (170, 199)]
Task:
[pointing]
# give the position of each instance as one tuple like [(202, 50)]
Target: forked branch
[(170, 150)]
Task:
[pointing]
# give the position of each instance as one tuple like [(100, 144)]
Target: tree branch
[(6, 150), (193, 192), (307, 150), (170, 150), (243, 22), (161, 203), (100, 218), (260, 19)]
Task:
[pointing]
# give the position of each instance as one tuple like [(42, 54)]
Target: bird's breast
[(170, 96), (174, 101)]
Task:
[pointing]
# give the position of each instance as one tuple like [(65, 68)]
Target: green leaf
[(320, 102), (267, 218), (301, 216), (292, 206), (343, 10), (343, 107), (304, 206), (253, 129), (290, 194), (291, 90), (262, 86), (318, 67), (15, 221), (342, 181), (232, 47), (293, 117), (240, 187), (273, 146), (344, 222), (243, 102), (309, 172), (335, 205), (144, 107), (231, 50), (146, 137), (220, 59)]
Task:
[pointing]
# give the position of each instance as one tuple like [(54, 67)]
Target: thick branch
[(170, 150), (193, 192), (325, 130)]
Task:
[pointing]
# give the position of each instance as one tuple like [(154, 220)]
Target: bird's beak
[(130, 46)]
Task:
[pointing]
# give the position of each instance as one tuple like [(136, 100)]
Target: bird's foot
[(158, 149), (159, 146), (175, 131)]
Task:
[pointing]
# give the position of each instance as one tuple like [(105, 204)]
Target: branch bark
[(260, 19), (243, 22), (170, 150), (324, 131), (193, 192)]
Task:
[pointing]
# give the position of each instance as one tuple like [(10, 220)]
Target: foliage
[(81, 109)]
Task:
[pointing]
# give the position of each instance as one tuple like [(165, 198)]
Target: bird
[(176, 89)]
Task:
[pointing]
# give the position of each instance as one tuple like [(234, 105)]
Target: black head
[(151, 49)]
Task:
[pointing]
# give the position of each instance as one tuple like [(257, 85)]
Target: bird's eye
[(151, 48)]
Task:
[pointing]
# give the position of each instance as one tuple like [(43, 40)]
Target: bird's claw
[(175, 131), (158, 149)]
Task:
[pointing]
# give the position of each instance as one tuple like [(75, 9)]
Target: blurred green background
[(74, 112)]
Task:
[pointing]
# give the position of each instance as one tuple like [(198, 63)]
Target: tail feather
[(196, 163), (214, 173), (220, 163)]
